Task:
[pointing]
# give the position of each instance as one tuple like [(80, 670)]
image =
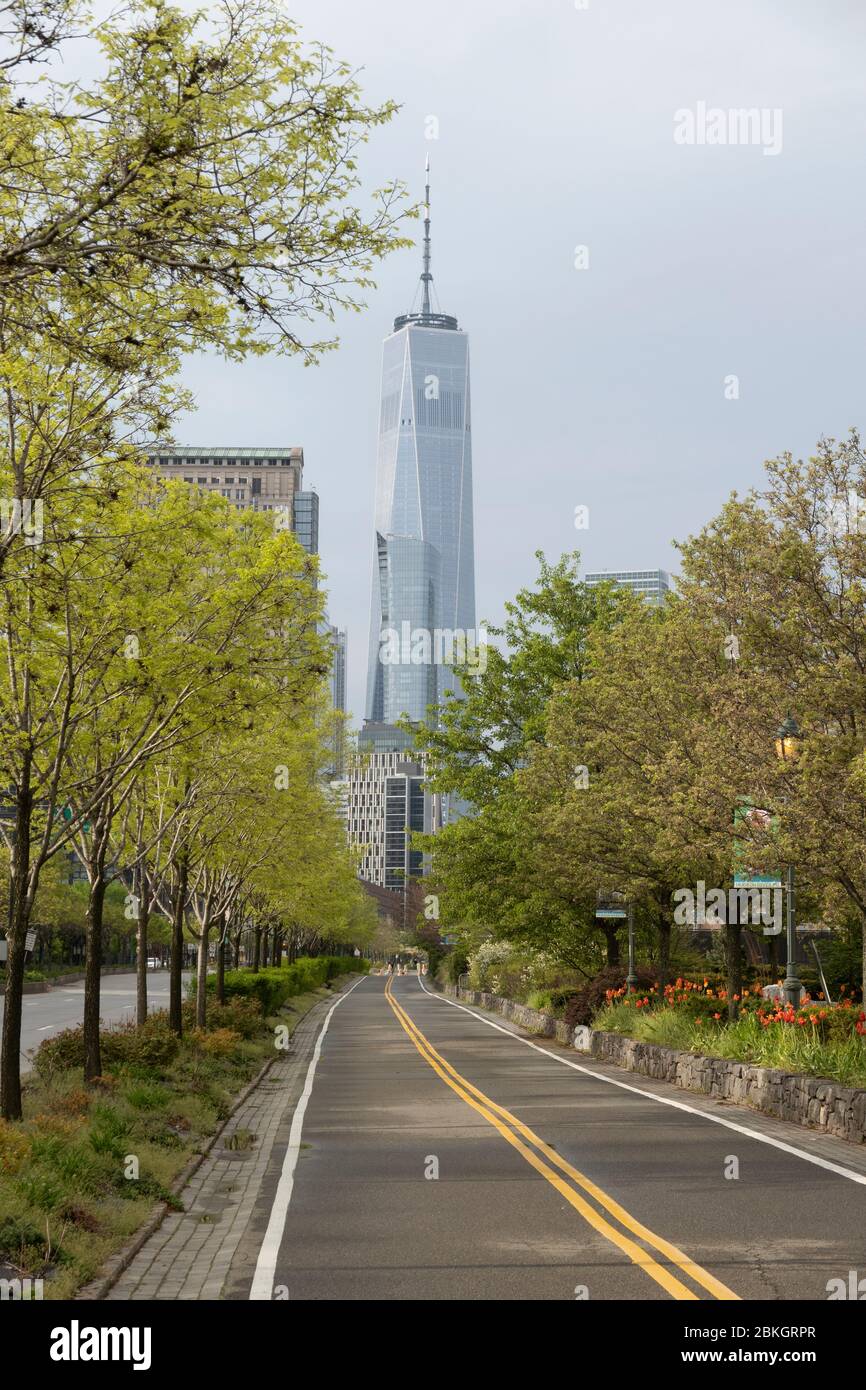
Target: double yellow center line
[(546, 1161)]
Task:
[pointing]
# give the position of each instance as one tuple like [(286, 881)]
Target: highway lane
[(63, 1007), (443, 1158)]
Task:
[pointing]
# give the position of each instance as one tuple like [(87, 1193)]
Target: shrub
[(243, 1016), (219, 1043), (14, 1148), (272, 986), (64, 1128), (540, 999), (456, 964), (152, 1045), (75, 1102), (583, 1006), (485, 963), (16, 1235)]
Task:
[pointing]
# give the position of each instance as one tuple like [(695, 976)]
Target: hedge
[(272, 986)]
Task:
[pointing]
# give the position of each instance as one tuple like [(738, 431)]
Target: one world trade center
[(423, 600)]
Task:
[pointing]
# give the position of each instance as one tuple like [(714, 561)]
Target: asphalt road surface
[(437, 1155), (63, 1007)]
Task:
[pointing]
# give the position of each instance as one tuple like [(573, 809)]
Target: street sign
[(610, 905), (4, 949), (761, 825), (757, 881), (30, 941)]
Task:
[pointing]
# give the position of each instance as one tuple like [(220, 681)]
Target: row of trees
[(610, 745), (165, 718), (161, 679)]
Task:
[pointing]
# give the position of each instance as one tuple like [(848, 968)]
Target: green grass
[(786, 1046), (66, 1202)]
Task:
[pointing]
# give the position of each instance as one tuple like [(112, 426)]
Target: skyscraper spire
[(426, 277), (426, 316)]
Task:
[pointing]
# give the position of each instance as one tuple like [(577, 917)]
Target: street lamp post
[(631, 978), (789, 737)]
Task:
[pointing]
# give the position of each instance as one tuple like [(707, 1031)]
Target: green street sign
[(746, 813)]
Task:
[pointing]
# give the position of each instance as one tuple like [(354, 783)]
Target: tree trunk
[(221, 966), (278, 947), (201, 977), (257, 949), (612, 943), (93, 974), (141, 943), (733, 931), (175, 984), (12, 1012), (16, 936)]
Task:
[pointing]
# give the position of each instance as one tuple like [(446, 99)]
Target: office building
[(264, 480), (649, 584), (386, 803), (423, 548)]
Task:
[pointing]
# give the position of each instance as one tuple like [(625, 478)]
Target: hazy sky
[(602, 387)]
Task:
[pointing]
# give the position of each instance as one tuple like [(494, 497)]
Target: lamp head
[(789, 738)]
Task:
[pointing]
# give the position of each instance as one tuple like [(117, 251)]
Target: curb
[(74, 978), (810, 1102), (112, 1268)]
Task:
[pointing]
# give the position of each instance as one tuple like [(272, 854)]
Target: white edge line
[(266, 1266), (662, 1100)]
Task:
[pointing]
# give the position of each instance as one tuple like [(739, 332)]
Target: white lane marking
[(662, 1100), (266, 1265)]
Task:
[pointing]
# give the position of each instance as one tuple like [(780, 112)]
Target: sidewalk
[(191, 1254)]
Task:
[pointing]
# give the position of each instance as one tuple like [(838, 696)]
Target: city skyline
[(605, 386), (550, 984)]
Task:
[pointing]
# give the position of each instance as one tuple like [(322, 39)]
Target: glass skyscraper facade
[(423, 553), (648, 584)]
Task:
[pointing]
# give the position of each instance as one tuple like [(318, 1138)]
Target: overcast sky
[(603, 387)]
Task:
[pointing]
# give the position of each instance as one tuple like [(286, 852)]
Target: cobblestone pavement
[(190, 1255)]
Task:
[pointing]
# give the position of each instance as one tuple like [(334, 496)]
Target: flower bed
[(817, 1039)]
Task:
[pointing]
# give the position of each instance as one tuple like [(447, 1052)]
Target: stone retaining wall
[(533, 1020), (804, 1100)]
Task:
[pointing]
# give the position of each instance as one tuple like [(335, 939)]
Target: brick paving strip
[(188, 1254)]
